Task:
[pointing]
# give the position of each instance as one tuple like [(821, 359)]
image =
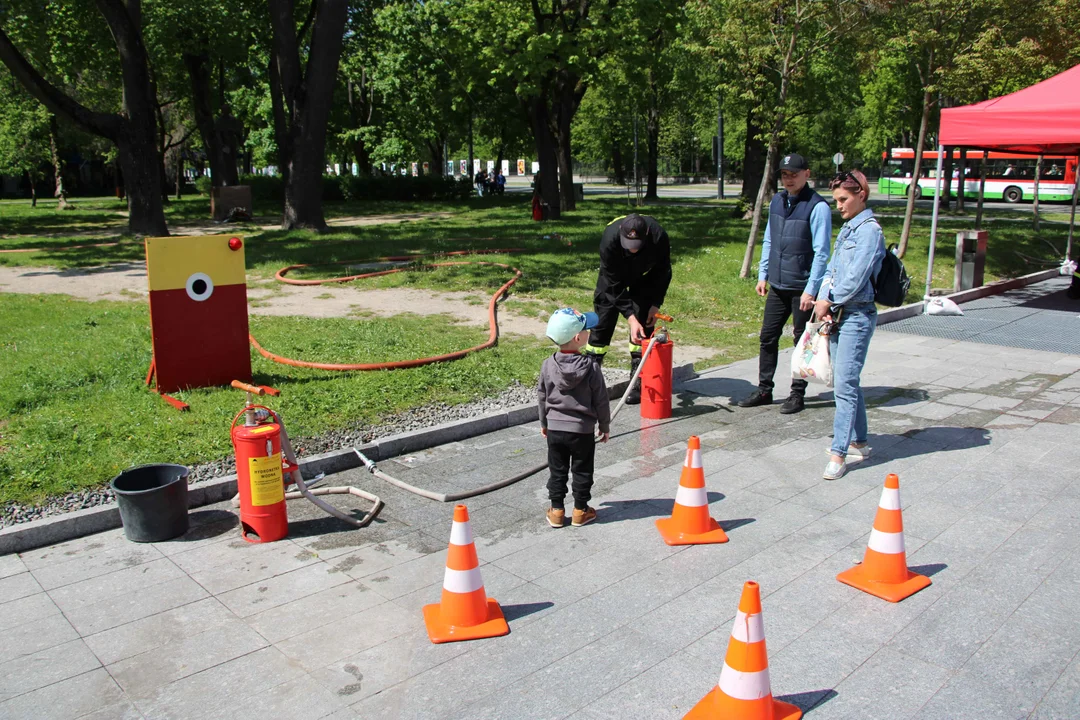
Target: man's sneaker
[(555, 517), (583, 517), (758, 397), (793, 404)]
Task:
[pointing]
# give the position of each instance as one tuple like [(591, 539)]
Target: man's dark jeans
[(779, 306), (569, 451)]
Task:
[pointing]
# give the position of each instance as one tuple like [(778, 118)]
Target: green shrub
[(203, 184), (265, 188)]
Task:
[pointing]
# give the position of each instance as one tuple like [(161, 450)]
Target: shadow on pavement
[(734, 389), (515, 612), (807, 701), (206, 524), (327, 524), (735, 523), (929, 570), (877, 395), (617, 510), (940, 439)]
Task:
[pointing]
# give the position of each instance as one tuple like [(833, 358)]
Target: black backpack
[(892, 282)]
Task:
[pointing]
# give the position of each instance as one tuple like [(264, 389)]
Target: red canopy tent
[(1043, 119)]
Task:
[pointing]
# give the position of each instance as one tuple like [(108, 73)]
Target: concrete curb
[(996, 288), (68, 526)]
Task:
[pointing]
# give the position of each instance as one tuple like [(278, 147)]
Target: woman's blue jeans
[(847, 349)]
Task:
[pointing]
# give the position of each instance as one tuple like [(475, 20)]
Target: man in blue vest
[(794, 255)]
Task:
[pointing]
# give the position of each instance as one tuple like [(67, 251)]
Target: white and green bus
[(1009, 177)]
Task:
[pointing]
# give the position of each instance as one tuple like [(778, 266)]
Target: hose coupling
[(369, 464)]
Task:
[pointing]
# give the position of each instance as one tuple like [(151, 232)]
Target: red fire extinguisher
[(656, 376), (260, 476)]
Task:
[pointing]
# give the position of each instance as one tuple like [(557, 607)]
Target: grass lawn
[(74, 412)]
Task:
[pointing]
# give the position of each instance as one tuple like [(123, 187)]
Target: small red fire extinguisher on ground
[(260, 477), (656, 374)]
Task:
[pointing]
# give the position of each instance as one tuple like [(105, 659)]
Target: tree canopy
[(297, 88)]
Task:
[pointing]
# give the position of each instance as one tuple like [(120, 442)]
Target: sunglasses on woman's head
[(845, 180)]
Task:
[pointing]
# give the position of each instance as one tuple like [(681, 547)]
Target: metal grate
[(1037, 317)]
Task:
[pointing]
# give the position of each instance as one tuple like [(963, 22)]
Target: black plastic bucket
[(153, 501)]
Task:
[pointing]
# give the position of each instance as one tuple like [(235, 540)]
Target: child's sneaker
[(583, 517), (556, 516)]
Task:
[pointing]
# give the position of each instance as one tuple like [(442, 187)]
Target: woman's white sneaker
[(854, 454), (835, 470)]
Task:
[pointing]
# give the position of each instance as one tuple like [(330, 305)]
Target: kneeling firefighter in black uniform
[(635, 271)]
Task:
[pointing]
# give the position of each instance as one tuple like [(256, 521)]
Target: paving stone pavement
[(607, 621)]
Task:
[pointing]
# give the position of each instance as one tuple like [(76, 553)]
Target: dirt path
[(259, 224), (267, 223), (127, 282)]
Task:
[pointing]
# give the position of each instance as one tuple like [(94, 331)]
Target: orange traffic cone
[(466, 612), (744, 692), (884, 570), (690, 523)]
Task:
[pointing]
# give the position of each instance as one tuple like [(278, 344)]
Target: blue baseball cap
[(565, 323)]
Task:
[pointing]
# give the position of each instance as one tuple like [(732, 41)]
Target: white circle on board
[(199, 287)]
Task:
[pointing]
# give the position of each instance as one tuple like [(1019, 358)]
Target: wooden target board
[(198, 311)]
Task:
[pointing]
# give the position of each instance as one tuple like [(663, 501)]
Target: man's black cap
[(632, 232), (793, 161)]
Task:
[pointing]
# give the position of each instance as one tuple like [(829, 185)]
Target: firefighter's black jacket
[(627, 279)]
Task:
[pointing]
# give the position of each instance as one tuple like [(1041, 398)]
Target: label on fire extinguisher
[(267, 486)]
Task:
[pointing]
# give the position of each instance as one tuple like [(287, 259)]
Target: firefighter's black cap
[(632, 232)]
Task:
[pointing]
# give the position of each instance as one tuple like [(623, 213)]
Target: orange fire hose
[(493, 332)]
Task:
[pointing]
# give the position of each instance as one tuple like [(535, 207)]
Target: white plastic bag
[(942, 306), (1068, 267), (810, 361)]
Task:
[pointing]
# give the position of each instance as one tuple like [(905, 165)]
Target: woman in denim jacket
[(847, 297)]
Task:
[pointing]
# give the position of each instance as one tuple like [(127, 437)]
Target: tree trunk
[(946, 182), (569, 91), (362, 157), (472, 164), (33, 190), (961, 183), (564, 114), (652, 141), (916, 172), (435, 149), (142, 182), (179, 163), (1035, 199), (982, 192), (361, 107), (617, 167), (164, 174), (545, 156), (753, 166), (567, 201), (58, 170), (302, 102), (774, 139), (134, 131)]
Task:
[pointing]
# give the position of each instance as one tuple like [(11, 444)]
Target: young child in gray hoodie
[(573, 400)]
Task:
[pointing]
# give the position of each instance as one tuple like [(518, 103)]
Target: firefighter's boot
[(633, 393)]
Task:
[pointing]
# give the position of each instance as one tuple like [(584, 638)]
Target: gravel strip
[(349, 436)]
